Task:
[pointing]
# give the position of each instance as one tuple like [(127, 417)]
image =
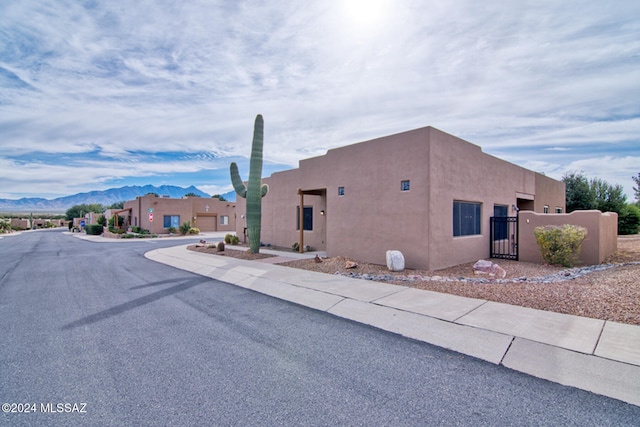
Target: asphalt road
[(133, 342)]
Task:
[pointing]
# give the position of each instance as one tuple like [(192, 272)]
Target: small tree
[(607, 197), (560, 244), (629, 220), (578, 192), (78, 211), (636, 189), (118, 205)]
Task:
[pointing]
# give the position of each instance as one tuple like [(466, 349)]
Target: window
[(307, 218), (546, 209), (466, 218), (405, 185), (224, 220), (558, 210), (340, 191), (171, 221)]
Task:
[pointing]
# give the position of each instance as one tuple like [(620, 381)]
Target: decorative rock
[(395, 261), (487, 267), (350, 264), (317, 259), (552, 278)]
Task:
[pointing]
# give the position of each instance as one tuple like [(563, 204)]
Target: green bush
[(194, 230), (171, 230), (296, 247), (231, 239), (560, 244), (112, 221), (93, 229), (185, 227), (135, 229), (629, 220), (102, 220)]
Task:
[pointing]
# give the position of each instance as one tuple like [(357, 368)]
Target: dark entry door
[(504, 233)]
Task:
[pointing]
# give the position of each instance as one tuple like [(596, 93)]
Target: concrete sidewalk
[(595, 355)]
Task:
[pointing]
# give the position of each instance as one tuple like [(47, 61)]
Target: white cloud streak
[(539, 83)]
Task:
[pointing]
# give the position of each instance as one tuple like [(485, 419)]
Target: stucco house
[(423, 192), (158, 214)]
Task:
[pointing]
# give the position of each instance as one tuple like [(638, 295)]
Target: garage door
[(206, 223)]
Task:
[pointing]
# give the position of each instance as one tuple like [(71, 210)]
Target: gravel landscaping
[(610, 291)]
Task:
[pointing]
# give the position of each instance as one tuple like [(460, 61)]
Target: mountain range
[(104, 197)]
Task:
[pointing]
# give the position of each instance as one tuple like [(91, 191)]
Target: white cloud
[(545, 82)]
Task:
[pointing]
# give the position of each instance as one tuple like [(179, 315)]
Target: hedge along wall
[(601, 241)]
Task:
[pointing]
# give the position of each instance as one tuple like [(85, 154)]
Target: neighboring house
[(423, 192), (158, 214), (20, 223), (92, 217)]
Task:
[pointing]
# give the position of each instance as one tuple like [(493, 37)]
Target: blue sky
[(99, 94)]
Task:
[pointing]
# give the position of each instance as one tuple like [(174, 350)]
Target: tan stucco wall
[(601, 240), (549, 192), (187, 208), (374, 215)]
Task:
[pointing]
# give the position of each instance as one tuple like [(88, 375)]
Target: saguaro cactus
[(253, 191)]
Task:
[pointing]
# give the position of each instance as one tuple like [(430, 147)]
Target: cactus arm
[(238, 185), (265, 190)]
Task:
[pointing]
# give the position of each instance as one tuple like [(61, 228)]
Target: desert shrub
[(295, 247), (194, 230), (171, 230), (227, 238), (102, 220), (93, 229), (135, 229), (560, 244), (128, 236), (235, 240), (185, 227), (629, 220), (220, 247)]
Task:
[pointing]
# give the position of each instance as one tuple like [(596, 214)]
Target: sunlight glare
[(365, 13)]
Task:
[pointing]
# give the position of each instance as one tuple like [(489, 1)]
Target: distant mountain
[(105, 197)]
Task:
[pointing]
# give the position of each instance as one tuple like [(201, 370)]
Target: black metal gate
[(504, 237)]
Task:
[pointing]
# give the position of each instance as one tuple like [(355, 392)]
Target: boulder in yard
[(487, 267), (395, 260), (350, 264)]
